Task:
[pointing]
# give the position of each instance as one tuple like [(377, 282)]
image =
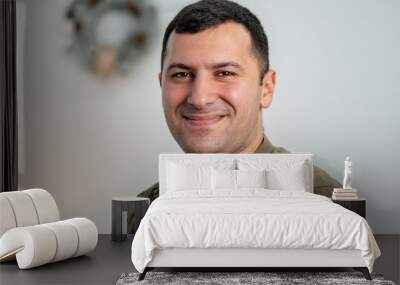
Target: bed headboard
[(211, 159)]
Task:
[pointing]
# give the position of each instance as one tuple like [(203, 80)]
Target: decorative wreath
[(110, 34)]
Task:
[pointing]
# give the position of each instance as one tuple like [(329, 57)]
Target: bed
[(246, 211)]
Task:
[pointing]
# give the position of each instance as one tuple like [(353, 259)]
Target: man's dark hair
[(206, 14)]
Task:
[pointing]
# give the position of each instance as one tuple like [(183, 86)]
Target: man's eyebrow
[(178, 65), (225, 64), (211, 65)]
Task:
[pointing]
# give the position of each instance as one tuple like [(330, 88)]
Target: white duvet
[(251, 218)]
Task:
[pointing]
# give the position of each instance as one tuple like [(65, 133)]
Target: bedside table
[(127, 212), (358, 206)]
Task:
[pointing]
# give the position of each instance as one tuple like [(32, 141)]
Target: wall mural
[(109, 35)]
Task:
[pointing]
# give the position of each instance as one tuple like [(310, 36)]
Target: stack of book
[(344, 194)]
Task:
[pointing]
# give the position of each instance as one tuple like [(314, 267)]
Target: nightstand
[(127, 212), (358, 206)]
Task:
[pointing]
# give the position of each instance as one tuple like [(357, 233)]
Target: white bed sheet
[(250, 218)]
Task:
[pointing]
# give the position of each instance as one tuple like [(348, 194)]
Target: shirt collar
[(265, 146)]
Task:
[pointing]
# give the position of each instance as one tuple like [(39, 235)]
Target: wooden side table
[(358, 206), (127, 212)]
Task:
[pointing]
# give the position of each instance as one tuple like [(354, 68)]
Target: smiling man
[(213, 88), (216, 80)]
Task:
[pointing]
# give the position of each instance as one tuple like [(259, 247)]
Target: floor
[(103, 266), (389, 262), (111, 259)]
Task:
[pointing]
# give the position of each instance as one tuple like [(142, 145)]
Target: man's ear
[(160, 78), (268, 86)]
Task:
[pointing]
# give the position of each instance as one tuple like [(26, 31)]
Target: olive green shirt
[(323, 182)]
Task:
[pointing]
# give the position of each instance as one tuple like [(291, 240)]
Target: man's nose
[(203, 92)]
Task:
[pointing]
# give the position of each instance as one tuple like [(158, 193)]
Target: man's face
[(211, 90)]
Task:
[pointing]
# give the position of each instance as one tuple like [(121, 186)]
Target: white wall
[(87, 140)]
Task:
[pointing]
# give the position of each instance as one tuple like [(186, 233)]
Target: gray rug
[(269, 278)]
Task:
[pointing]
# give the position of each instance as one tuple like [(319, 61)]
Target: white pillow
[(251, 178), (223, 179), (293, 178), (187, 177), (236, 179), (282, 173), (223, 164)]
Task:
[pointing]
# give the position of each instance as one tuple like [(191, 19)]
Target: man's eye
[(225, 73), (182, 75)]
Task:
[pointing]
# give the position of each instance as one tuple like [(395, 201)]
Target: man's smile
[(204, 120)]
